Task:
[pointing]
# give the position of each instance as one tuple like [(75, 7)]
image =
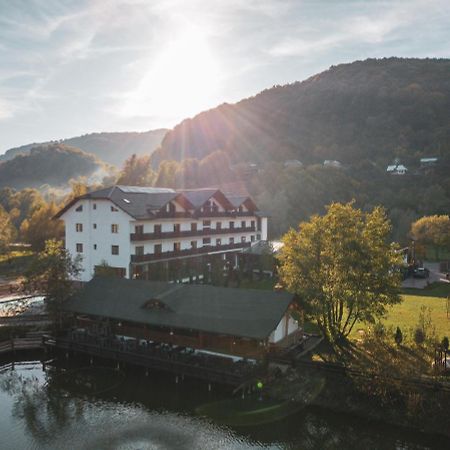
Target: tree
[(342, 268), (41, 226), (7, 230), (445, 343), (398, 336), (432, 230), (52, 272), (137, 171)]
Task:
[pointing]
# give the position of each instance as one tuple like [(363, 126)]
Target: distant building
[(396, 169), (131, 229), (293, 163), (332, 163), (428, 162)]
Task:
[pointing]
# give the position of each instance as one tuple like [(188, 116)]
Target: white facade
[(286, 327), (103, 230)]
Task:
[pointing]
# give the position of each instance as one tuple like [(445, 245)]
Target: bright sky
[(69, 67)]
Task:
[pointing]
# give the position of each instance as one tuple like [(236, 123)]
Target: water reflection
[(45, 410)]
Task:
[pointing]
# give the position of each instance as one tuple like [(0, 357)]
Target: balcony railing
[(188, 252), (189, 233), (197, 214)]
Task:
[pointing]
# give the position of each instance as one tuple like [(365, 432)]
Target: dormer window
[(114, 209), (79, 208)]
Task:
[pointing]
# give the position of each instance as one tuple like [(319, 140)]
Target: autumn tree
[(52, 272), (7, 230), (342, 268), (433, 231), (137, 171), (41, 226)]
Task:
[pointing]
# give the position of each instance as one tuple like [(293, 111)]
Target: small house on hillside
[(332, 163), (428, 162), (396, 169)]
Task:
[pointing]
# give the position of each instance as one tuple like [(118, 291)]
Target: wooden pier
[(179, 360)]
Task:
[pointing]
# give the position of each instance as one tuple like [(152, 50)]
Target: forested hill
[(51, 164), (374, 110), (113, 148)]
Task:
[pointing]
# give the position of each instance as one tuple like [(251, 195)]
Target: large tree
[(342, 268), (432, 230), (52, 273)]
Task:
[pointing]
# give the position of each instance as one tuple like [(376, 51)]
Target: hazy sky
[(69, 67)]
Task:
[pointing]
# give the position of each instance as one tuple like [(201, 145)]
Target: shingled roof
[(251, 313)]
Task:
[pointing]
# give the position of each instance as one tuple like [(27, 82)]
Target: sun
[(182, 80)]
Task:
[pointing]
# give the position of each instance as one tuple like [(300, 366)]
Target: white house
[(332, 163), (428, 162), (396, 169), (131, 228)]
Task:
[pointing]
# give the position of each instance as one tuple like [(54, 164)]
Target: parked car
[(421, 272)]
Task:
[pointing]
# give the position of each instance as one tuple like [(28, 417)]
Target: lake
[(73, 405)]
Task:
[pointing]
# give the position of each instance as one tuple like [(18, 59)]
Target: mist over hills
[(112, 148), (50, 164), (376, 109)]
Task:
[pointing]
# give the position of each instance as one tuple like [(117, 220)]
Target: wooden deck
[(176, 360)]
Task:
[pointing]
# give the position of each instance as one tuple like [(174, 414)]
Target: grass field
[(406, 314), (15, 263)]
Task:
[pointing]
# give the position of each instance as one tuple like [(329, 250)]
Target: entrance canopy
[(249, 313)]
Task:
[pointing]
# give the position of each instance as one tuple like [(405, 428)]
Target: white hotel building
[(132, 228)]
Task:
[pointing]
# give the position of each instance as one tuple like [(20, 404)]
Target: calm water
[(79, 407)]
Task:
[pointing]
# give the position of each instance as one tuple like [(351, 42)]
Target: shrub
[(398, 336), (445, 343), (419, 336), (379, 330)]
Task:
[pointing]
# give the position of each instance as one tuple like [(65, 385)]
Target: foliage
[(137, 171), (7, 230), (445, 343), (52, 272), (41, 226), (398, 336), (419, 336), (341, 268), (432, 230)]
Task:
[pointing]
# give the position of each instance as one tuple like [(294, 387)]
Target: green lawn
[(15, 263), (406, 314)]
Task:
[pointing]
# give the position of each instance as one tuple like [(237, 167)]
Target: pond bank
[(427, 410)]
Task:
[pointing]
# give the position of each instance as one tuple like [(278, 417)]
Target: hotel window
[(78, 227), (253, 224), (193, 244), (231, 225), (258, 237), (206, 224), (139, 229), (176, 227), (176, 246), (218, 242), (157, 229), (94, 206), (252, 238), (95, 246), (79, 209), (193, 226), (139, 251), (218, 225), (259, 223), (94, 226), (231, 240), (207, 241), (243, 239), (240, 209), (79, 248), (114, 228), (243, 224), (114, 249), (158, 249), (114, 209)]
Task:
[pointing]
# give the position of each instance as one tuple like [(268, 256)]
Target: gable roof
[(251, 313)]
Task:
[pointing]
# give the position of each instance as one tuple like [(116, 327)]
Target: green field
[(406, 314), (15, 263)]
